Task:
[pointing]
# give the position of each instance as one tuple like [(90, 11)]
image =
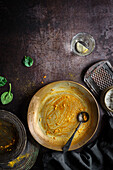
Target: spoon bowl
[(83, 117)]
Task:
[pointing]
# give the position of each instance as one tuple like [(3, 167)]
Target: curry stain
[(17, 160), (7, 136), (29, 84), (72, 76), (42, 82), (60, 111)]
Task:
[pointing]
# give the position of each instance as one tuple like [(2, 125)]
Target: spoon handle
[(67, 145)]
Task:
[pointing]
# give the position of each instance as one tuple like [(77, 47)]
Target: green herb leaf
[(7, 97), (3, 81), (28, 61)]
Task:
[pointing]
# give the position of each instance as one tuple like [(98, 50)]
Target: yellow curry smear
[(7, 146), (7, 136), (17, 160), (59, 114)]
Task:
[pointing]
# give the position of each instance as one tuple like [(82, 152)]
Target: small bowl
[(14, 126), (106, 99)]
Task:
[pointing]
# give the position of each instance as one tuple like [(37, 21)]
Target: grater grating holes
[(102, 78)]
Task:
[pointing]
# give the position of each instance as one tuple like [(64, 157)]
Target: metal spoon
[(82, 118)]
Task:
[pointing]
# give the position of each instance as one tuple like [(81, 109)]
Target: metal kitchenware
[(24, 154), (52, 112), (99, 78), (82, 117), (11, 121)]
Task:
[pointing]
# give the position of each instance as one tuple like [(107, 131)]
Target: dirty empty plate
[(52, 115)]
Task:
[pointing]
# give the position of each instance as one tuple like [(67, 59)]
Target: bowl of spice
[(13, 137)]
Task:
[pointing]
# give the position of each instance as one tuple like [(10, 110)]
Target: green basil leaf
[(28, 61), (7, 97), (3, 81)]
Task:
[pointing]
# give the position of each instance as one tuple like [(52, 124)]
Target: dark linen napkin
[(96, 156)]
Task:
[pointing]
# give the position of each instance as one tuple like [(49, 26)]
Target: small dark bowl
[(12, 121)]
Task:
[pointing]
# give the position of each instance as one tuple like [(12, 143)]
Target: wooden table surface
[(43, 30)]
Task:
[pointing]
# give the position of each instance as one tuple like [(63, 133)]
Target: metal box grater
[(99, 77)]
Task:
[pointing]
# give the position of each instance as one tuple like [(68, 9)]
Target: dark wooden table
[(43, 30)]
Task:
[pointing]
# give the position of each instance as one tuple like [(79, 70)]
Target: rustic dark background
[(43, 29)]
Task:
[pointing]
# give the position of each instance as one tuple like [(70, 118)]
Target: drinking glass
[(82, 44)]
